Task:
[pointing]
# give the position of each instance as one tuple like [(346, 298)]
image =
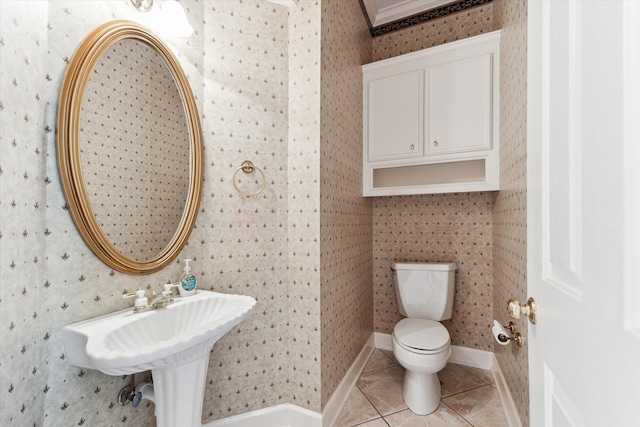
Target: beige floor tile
[(480, 406), (379, 422), (455, 379), (378, 360), (484, 374), (442, 417), (356, 410), (383, 388), (389, 354)]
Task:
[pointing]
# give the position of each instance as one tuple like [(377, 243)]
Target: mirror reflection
[(130, 148), (135, 149)]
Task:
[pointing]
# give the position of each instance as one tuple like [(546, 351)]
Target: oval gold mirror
[(130, 148)]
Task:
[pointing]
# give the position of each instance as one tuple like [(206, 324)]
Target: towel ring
[(248, 167)]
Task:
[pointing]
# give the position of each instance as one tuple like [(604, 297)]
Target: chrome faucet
[(160, 301), (142, 304)]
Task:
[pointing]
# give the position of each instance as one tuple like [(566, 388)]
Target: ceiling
[(382, 12)]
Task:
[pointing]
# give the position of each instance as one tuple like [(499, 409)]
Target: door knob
[(515, 309)]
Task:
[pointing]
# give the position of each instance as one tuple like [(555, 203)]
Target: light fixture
[(174, 17), (142, 5), (167, 18)]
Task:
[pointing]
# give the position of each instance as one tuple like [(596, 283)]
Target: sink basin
[(173, 342), (124, 342)]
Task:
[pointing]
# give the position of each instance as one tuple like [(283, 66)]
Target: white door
[(583, 184)]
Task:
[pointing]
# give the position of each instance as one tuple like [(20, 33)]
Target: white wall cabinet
[(431, 120)]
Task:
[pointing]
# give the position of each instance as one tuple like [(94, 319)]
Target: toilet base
[(421, 392)]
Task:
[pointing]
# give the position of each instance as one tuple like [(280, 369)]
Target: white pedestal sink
[(173, 342)]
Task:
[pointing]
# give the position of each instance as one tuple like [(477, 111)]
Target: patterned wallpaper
[(458, 26), (49, 276), (345, 216), (257, 73), (441, 227), (243, 241), (452, 227), (275, 86), (154, 181), (302, 320), (510, 204)]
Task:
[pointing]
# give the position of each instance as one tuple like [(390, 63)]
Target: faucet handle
[(168, 292), (139, 293), (141, 300), (174, 288)]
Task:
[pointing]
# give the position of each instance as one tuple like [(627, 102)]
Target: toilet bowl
[(420, 343), (423, 353)]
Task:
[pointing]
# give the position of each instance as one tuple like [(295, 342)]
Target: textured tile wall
[(510, 204), (443, 227), (345, 216)]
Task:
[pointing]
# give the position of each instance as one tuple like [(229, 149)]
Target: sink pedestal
[(179, 392)]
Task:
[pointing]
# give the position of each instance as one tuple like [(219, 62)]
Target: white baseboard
[(285, 415), (341, 393), (471, 357), (510, 411), (383, 341), (461, 355)]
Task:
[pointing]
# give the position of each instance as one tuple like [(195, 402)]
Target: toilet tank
[(425, 290)]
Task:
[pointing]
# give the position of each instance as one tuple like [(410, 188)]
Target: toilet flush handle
[(515, 309)]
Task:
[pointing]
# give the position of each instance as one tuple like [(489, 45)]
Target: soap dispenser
[(187, 281)]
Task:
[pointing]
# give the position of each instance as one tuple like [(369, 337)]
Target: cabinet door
[(460, 106), (395, 116)]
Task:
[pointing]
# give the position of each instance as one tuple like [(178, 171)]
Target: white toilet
[(421, 344)]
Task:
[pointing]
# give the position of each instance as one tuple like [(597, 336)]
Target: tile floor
[(469, 398)]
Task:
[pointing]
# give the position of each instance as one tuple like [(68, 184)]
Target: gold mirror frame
[(69, 110)]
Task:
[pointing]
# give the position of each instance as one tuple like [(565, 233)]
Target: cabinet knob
[(412, 147), (435, 143)]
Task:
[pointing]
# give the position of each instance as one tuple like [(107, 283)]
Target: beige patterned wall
[(269, 91), (243, 242), (49, 276), (442, 227), (345, 216), (256, 71), (510, 204), (302, 316), (437, 228)]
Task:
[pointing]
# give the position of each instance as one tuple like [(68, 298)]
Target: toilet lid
[(421, 334)]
